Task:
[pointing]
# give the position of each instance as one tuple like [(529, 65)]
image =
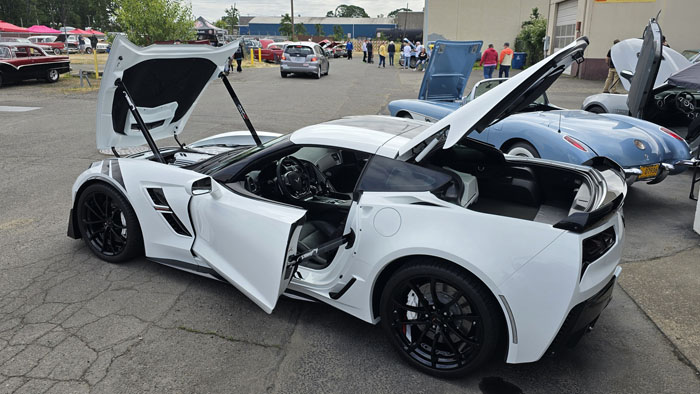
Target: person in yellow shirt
[(505, 61), (382, 55)]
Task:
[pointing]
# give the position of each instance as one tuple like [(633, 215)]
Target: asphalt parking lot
[(72, 323)]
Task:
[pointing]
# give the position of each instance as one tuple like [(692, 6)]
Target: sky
[(214, 9)]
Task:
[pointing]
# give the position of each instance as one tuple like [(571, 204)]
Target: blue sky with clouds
[(214, 9)]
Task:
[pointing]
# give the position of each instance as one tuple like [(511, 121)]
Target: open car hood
[(626, 53), (505, 99), (687, 78), (164, 81), (449, 67)]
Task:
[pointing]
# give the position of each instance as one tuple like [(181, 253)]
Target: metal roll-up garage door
[(565, 28)]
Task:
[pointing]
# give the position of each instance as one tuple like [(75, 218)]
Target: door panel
[(247, 241)]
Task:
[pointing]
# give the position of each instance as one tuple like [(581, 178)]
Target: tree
[(300, 29), (338, 33), (530, 38), (319, 30), (330, 14), (286, 25), (147, 21), (349, 11), (221, 24), (395, 12), (231, 18)]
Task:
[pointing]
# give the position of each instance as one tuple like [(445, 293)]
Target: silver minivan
[(304, 58)]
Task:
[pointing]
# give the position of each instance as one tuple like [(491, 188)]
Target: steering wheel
[(292, 178), (685, 102)]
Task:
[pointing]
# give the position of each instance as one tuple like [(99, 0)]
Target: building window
[(564, 35)]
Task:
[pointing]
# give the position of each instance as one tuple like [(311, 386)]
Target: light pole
[(292, 20)]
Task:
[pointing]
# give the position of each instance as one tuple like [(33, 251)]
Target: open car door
[(248, 241)]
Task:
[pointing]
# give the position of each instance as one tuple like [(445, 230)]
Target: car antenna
[(559, 127), (239, 106)]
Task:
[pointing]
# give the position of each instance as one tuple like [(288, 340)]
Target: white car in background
[(460, 252)]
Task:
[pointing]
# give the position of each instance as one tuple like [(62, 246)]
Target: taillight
[(578, 145), (313, 59), (596, 246), (283, 57), (671, 133)]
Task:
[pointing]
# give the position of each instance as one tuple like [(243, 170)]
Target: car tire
[(52, 75), (596, 109), (318, 73), (283, 74), (404, 115), (522, 149), (412, 63), (88, 50), (464, 326), (56, 51), (0, 80), (328, 69), (108, 224)]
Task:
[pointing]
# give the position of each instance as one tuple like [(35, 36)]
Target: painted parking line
[(9, 108)]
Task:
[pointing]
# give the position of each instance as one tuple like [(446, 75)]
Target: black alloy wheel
[(108, 224), (441, 320)]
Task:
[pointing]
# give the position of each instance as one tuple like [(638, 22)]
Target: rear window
[(384, 174), (5, 53), (299, 50)]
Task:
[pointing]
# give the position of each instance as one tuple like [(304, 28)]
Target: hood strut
[(239, 106), (139, 121)]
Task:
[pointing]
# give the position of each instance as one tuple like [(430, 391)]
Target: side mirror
[(627, 74), (199, 186)]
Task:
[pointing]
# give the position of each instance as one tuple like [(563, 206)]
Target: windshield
[(299, 50), (5, 53), (223, 160)]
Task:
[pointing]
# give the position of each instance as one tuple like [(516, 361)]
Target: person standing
[(489, 60), (505, 61), (238, 56), (392, 51), (406, 56), (348, 49), (370, 55), (364, 51), (382, 55), (612, 79)]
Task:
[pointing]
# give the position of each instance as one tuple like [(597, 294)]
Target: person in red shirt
[(489, 60)]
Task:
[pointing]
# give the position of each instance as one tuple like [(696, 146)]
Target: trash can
[(518, 60)]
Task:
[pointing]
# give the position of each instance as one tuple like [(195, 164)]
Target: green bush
[(531, 36)]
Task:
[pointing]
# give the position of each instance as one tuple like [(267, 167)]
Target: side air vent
[(596, 246), (157, 196), (176, 224)]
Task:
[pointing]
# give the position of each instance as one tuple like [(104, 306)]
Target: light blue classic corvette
[(646, 151)]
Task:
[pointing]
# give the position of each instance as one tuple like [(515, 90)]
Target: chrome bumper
[(632, 174), (689, 163)]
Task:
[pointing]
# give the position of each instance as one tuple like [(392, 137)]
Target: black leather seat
[(313, 234)]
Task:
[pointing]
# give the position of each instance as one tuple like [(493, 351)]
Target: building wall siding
[(272, 29)]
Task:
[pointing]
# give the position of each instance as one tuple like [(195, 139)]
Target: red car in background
[(49, 44), (272, 52), (20, 61)]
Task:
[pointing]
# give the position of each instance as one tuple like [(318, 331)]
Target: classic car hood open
[(499, 102), (449, 67), (164, 81), (625, 55), (687, 78)]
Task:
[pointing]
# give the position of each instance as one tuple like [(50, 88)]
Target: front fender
[(420, 109)]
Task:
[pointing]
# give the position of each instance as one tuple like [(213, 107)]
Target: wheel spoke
[(93, 221), (409, 307), (433, 291), (107, 204), (453, 347), (454, 299), (433, 350), (94, 235), (120, 237), (419, 293), (97, 206), (417, 342), (469, 317), (104, 241), (93, 210), (410, 322), (461, 336)]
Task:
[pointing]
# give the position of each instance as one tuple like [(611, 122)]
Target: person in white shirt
[(364, 51), (406, 55), (419, 46)]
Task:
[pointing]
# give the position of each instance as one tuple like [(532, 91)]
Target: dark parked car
[(20, 61)]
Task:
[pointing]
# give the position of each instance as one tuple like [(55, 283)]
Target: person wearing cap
[(505, 60)]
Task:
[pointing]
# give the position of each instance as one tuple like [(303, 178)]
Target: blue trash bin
[(519, 60)]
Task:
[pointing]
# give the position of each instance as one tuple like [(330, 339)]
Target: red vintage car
[(20, 61), (273, 52), (49, 44)]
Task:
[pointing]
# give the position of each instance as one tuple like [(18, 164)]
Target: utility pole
[(292, 20)]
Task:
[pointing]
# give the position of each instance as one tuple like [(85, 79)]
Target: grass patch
[(227, 338), (84, 58)]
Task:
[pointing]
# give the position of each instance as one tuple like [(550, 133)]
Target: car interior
[(318, 179), (485, 182)]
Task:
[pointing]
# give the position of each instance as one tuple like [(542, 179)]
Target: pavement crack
[(228, 338)]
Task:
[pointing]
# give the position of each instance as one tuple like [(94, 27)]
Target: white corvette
[(455, 248)]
